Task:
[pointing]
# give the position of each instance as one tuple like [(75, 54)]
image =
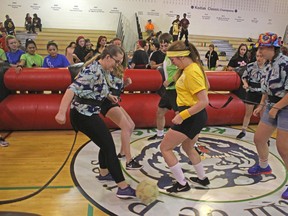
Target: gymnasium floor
[(33, 157)]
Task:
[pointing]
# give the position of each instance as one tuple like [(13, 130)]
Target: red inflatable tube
[(223, 81), (38, 79), (143, 80)]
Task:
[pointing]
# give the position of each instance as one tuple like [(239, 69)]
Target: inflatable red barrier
[(37, 111), (38, 79)]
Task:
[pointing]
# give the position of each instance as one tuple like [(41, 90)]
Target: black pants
[(94, 127), (184, 32)]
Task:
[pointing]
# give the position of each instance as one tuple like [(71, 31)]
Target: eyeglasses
[(116, 61)]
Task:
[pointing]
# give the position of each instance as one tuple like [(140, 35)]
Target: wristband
[(185, 114)]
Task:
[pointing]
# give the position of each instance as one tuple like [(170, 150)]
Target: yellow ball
[(147, 192)]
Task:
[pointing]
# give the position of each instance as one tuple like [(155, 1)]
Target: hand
[(258, 110), (60, 118), (177, 120), (246, 86), (127, 81), (166, 83), (18, 70), (113, 98), (273, 112)]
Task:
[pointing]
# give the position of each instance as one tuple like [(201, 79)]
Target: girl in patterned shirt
[(192, 98), (274, 103), (86, 93)]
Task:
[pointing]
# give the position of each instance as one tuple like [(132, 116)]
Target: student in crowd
[(111, 109), (89, 52), (149, 27), (116, 41), (175, 28), (30, 58), (251, 79), (54, 59), (101, 44), (9, 26), (140, 56), (184, 23), (28, 23), (2, 55), (3, 44), (239, 59), (79, 51), (274, 104), (157, 58), (69, 52), (14, 54), (192, 98), (211, 58), (36, 23), (2, 28), (86, 93)]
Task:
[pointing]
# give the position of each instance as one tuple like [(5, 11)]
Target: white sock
[(263, 163), (200, 170), (178, 173), (160, 132)]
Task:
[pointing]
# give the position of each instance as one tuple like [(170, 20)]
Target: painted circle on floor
[(226, 161)]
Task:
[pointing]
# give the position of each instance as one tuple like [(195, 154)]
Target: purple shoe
[(126, 193), (285, 194), (257, 170), (107, 177)]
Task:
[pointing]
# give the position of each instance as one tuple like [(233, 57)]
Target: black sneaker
[(120, 155), (241, 135), (133, 165), (177, 187), (155, 137), (203, 182)]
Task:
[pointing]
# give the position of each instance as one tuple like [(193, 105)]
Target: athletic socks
[(178, 173)]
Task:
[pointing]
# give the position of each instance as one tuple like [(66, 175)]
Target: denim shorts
[(281, 120)]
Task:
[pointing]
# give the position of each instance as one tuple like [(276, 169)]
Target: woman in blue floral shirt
[(86, 94), (274, 101)]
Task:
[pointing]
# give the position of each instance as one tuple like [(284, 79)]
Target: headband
[(178, 53)]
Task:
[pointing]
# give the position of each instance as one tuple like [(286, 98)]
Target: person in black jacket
[(9, 26), (212, 58)]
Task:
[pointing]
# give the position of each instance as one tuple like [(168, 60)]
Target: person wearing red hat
[(274, 103)]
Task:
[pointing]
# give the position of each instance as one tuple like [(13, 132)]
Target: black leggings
[(94, 127)]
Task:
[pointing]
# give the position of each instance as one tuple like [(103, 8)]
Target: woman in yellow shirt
[(192, 98)]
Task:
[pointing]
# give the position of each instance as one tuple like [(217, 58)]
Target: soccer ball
[(147, 192)]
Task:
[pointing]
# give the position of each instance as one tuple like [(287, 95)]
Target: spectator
[(158, 56), (36, 23), (30, 58), (184, 23), (69, 52), (28, 23), (54, 59), (2, 28), (88, 50), (149, 27), (212, 58), (175, 28), (140, 56), (101, 43), (2, 55), (9, 26), (79, 51), (14, 54), (117, 42), (3, 44), (239, 59)]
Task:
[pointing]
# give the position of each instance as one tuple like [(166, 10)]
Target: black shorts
[(192, 125), (168, 100), (106, 106), (253, 98)]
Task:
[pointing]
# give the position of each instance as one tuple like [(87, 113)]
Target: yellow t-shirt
[(189, 84)]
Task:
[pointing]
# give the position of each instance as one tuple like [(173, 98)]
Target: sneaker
[(177, 187), (285, 194), (133, 165), (241, 135), (120, 156), (3, 143), (257, 170), (107, 177), (203, 182), (156, 137), (126, 193)]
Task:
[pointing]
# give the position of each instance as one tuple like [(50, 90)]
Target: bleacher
[(62, 37)]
